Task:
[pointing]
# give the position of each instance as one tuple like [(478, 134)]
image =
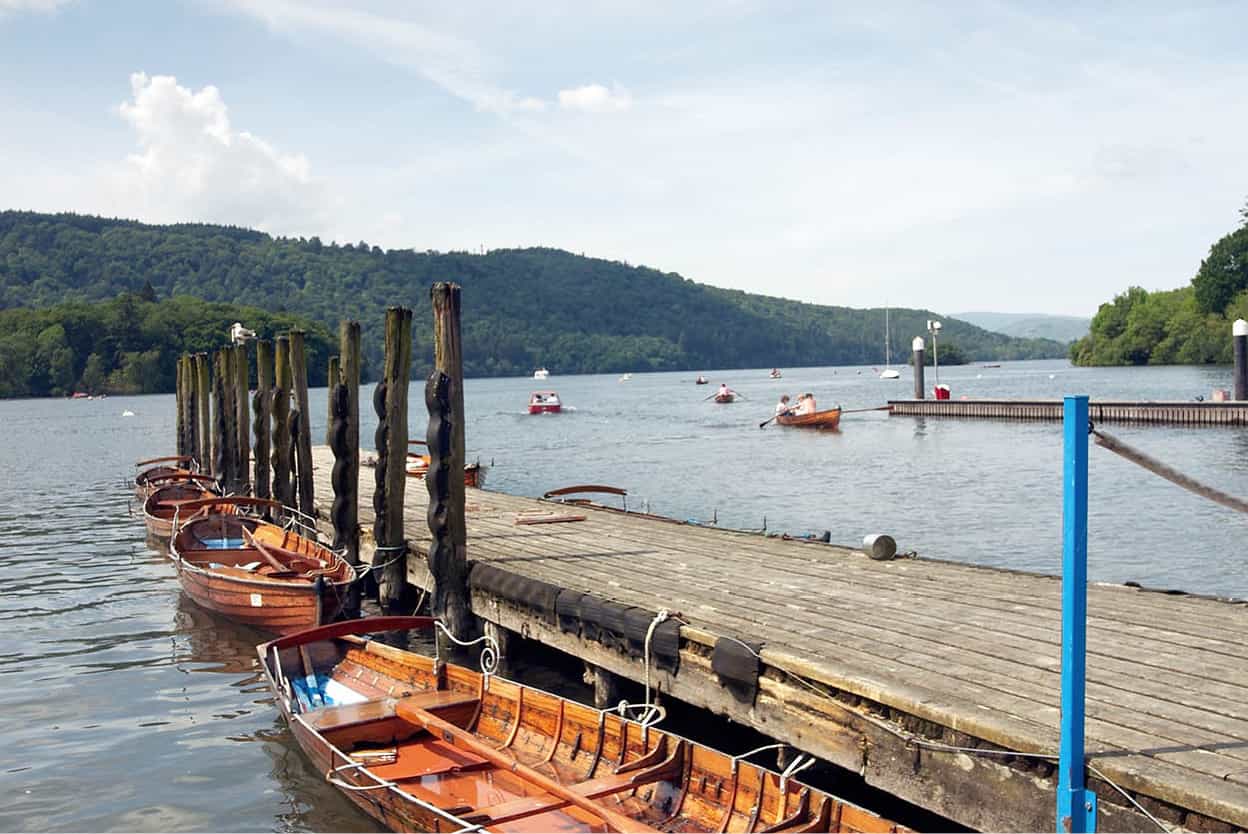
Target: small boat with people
[(725, 395), (544, 402), (232, 559), (775, 374), (701, 380), (422, 744), (827, 419), (541, 373), (626, 377)]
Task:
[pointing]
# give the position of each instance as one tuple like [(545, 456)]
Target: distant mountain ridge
[(522, 307), (1031, 325)]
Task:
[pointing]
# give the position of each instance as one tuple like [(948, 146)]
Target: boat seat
[(432, 701), (428, 756), (346, 715)]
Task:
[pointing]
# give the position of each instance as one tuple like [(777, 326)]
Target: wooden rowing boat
[(725, 398), (254, 571), (425, 746), (163, 503), (154, 471), (829, 419)]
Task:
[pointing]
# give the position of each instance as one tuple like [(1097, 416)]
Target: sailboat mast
[(888, 356)]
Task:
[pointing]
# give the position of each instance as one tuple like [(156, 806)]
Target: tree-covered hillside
[(522, 308), (129, 345), (1187, 326)]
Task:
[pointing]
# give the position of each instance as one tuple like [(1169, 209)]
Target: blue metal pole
[(1076, 806)]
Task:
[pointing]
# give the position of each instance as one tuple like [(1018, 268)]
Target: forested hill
[(522, 307)]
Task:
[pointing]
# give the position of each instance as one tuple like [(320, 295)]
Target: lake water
[(127, 708)]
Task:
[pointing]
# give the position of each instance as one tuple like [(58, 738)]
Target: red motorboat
[(545, 402)]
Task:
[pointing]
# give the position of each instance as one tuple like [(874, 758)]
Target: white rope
[(649, 713), (490, 655)]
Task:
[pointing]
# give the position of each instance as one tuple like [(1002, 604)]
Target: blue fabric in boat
[(219, 543)]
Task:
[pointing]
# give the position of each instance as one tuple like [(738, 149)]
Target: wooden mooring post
[(303, 423), (390, 402), (262, 405), (283, 488), (344, 440), (444, 398), (221, 454), (191, 427), (242, 418), (203, 396), (179, 410)]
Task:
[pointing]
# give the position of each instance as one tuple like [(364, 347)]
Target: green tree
[(1223, 273), (94, 375)]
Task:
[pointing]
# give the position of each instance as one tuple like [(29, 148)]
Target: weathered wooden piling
[(242, 417), (390, 402), (302, 424), (220, 423), (283, 488), (1239, 332), (262, 404), (333, 378), (344, 440), (920, 356), (179, 409), (444, 398), (191, 426), (203, 397)]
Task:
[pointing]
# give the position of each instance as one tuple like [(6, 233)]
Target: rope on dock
[(1174, 476)]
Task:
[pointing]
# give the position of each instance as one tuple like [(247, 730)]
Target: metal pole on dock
[(920, 356), (345, 511), (1239, 334), (283, 491), (262, 404), (1076, 805), (444, 398), (303, 438), (390, 401)]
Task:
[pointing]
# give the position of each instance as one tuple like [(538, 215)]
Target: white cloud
[(595, 98), (192, 164), (42, 6)]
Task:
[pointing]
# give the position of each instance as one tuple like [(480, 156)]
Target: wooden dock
[(884, 668), (1234, 413)]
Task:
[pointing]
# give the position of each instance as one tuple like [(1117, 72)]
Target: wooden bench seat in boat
[(347, 715)]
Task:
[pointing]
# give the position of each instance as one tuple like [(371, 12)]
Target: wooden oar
[(467, 741), (263, 551), (860, 410), (768, 420)]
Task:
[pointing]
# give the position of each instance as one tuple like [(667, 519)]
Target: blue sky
[(970, 156)]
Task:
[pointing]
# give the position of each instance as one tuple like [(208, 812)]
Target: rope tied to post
[(1162, 470), (648, 712)]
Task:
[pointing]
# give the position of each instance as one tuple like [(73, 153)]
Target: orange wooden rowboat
[(162, 505), (829, 419), (153, 470), (253, 571), (424, 746)]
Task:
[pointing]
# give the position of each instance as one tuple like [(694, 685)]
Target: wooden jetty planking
[(1232, 413), (974, 651)]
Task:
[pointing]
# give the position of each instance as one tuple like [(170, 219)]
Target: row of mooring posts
[(215, 425), (276, 425)]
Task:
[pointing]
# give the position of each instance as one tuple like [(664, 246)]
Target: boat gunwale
[(264, 650)]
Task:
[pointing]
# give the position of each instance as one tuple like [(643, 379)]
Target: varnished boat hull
[(511, 758), (266, 606), (829, 419)]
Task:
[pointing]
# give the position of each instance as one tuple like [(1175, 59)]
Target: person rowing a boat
[(783, 408)]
